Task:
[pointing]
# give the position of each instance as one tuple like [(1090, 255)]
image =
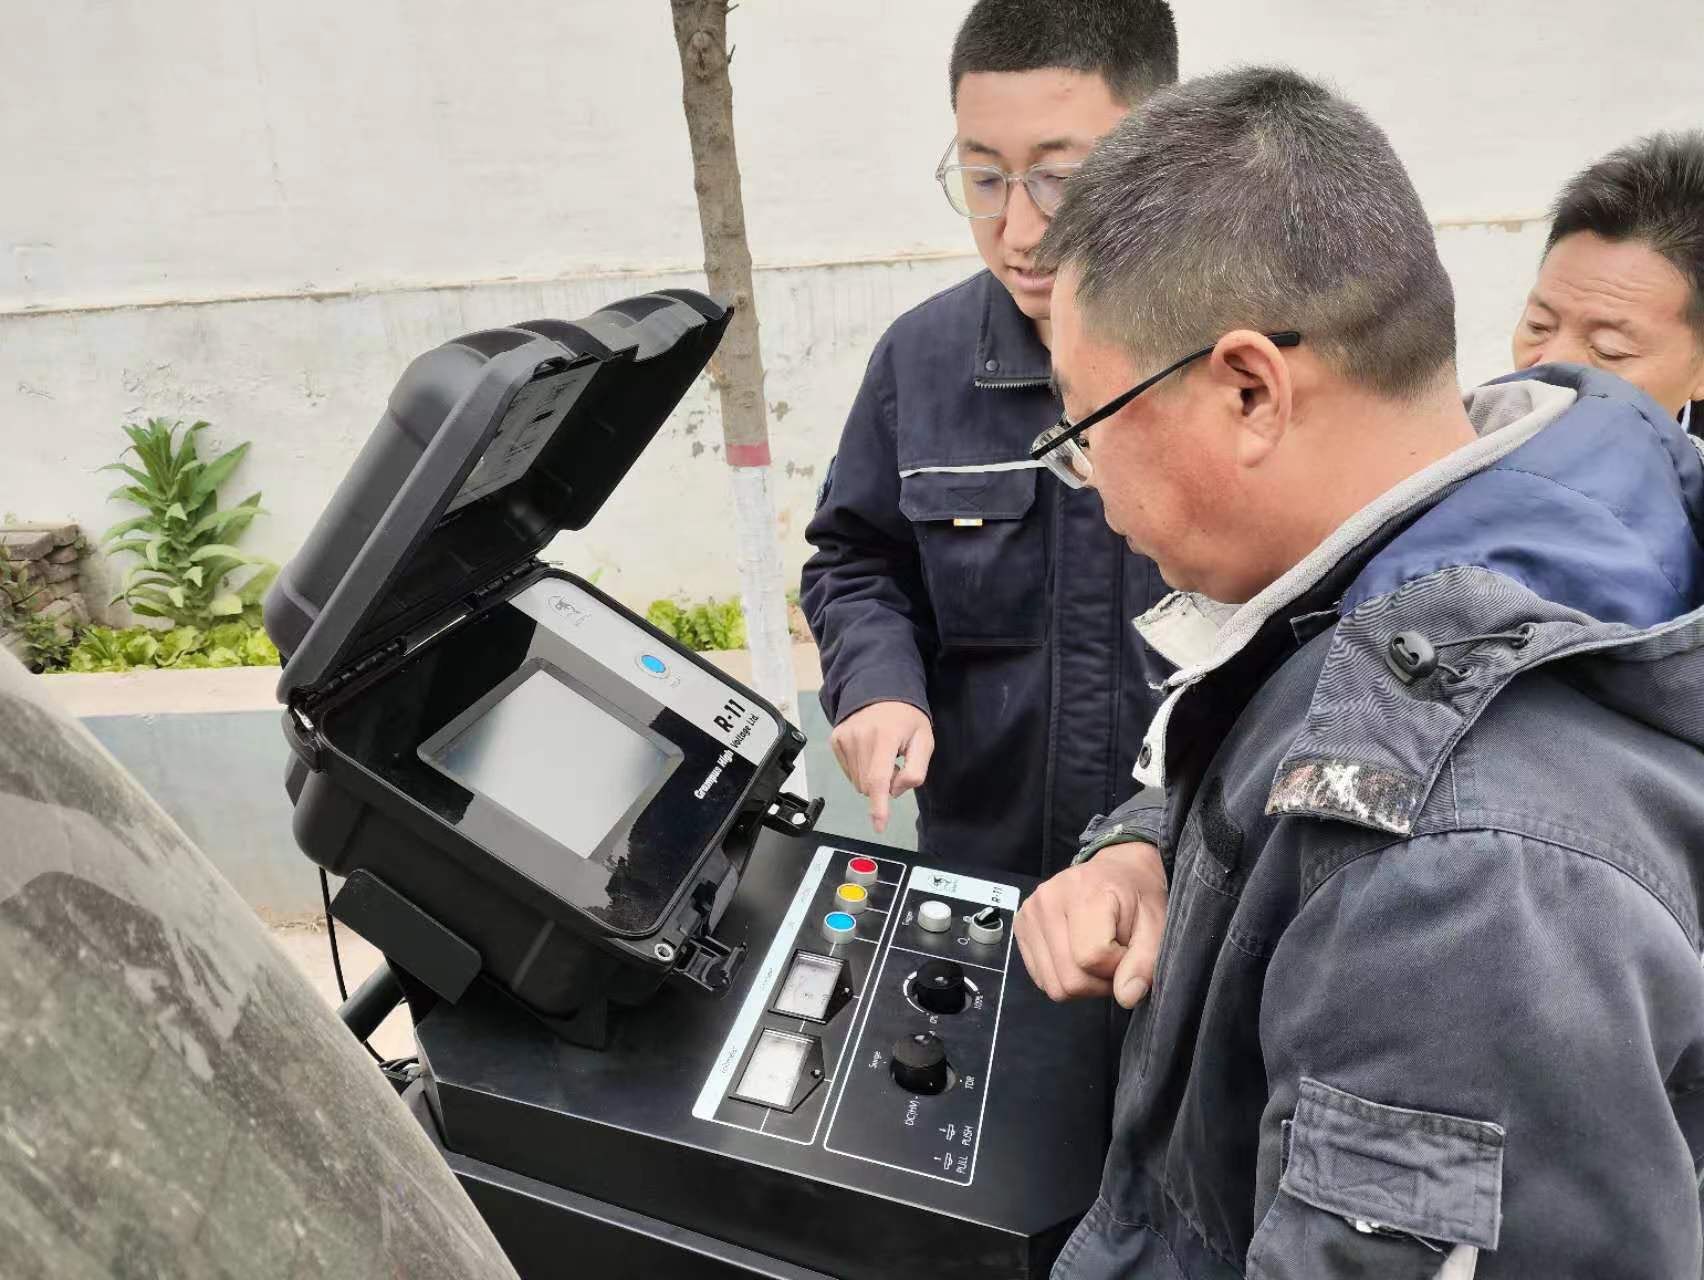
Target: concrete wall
[(258, 213)]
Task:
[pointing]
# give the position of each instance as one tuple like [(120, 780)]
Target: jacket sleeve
[(1474, 1044), (862, 590), (1142, 817)]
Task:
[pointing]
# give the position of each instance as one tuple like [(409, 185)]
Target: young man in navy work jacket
[(974, 618)]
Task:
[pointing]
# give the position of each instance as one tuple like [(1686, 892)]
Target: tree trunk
[(701, 35)]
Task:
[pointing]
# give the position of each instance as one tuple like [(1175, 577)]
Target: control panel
[(871, 1027)]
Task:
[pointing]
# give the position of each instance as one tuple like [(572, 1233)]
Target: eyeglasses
[(982, 190), (1064, 451)]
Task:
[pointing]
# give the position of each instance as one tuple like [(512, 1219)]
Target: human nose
[(1025, 224)]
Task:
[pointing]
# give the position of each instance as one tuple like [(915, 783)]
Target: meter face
[(772, 1077), (554, 759), (809, 987)]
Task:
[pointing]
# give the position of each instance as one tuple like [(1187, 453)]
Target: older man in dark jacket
[(1428, 1001)]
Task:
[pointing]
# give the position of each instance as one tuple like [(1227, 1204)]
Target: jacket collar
[(1009, 352)]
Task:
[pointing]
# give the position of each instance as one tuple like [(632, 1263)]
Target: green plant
[(47, 643), (713, 624), (184, 538), (228, 644)]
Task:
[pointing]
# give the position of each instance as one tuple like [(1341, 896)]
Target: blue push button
[(652, 665), (839, 926)]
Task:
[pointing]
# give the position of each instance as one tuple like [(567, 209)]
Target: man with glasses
[(974, 623), (1428, 1001)]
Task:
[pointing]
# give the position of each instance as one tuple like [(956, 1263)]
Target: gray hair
[(1257, 199)]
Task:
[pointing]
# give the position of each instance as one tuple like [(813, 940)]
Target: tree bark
[(707, 94)]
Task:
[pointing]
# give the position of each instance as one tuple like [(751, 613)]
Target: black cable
[(337, 960), (331, 933)]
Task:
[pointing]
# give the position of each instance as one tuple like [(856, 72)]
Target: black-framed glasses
[(982, 190), (1061, 447)]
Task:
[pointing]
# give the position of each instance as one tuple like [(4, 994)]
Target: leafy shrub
[(46, 641), (227, 644), (711, 625), (185, 540)]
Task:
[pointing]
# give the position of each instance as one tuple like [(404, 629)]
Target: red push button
[(861, 871)]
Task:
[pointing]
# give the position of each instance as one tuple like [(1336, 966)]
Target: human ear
[(1257, 384)]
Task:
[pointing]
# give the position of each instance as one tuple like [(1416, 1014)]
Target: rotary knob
[(919, 1064), (939, 987)]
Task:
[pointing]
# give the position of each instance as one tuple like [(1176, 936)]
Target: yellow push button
[(852, 898)]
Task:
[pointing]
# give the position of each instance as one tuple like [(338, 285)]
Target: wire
[(331, 933), (337, 960)]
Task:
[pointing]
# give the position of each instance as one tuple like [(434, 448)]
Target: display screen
[(809, 986), (554, 759), (771, 1078)]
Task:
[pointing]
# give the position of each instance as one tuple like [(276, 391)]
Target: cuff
[(1142, 817), (881, 684)]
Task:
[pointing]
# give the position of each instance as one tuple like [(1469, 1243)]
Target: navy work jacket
[(953, 574)]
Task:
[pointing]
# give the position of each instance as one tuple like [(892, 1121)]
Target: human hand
[(1094, 929), (868, 742)]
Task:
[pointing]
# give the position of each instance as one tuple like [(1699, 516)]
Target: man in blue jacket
[(1428, 1001), (974, 625)]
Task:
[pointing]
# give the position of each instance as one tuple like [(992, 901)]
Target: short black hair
[(1257, 199), (1651, 191), (1131, 44)]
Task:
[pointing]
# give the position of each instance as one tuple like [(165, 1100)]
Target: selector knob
[(939, 987), (920, 1063), (987, 926), (936, 917)]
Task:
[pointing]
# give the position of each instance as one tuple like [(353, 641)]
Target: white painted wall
[(257, 213)]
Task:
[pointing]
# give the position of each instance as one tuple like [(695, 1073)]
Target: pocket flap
[(1439, 1177), (967, 495)]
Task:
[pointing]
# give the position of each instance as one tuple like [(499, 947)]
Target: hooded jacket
[(1429, 999)]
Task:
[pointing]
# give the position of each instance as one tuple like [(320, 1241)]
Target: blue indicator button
[(652, 665), (839, 926)]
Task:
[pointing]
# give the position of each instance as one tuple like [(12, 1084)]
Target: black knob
[(920, 1063), (939, 987)]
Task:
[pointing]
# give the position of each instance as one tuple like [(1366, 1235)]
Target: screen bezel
[(367, 733)]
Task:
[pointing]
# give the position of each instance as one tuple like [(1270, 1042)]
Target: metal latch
[(791, 814)]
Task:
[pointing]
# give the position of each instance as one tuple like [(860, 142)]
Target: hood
[(1571, 529), (1601, 512), (1582, 544)]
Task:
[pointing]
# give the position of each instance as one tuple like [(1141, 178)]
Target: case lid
[(490, 445)]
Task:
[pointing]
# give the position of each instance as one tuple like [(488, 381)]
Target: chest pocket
[(984, 554)]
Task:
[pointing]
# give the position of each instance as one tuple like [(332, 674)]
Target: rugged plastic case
[(489, 446)]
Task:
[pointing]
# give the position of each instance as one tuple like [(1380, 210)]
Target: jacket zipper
[(1010, 384)]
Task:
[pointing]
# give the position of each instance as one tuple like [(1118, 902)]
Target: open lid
[(490, 445)]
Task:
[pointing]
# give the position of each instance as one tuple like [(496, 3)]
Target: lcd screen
[(554, 759)]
